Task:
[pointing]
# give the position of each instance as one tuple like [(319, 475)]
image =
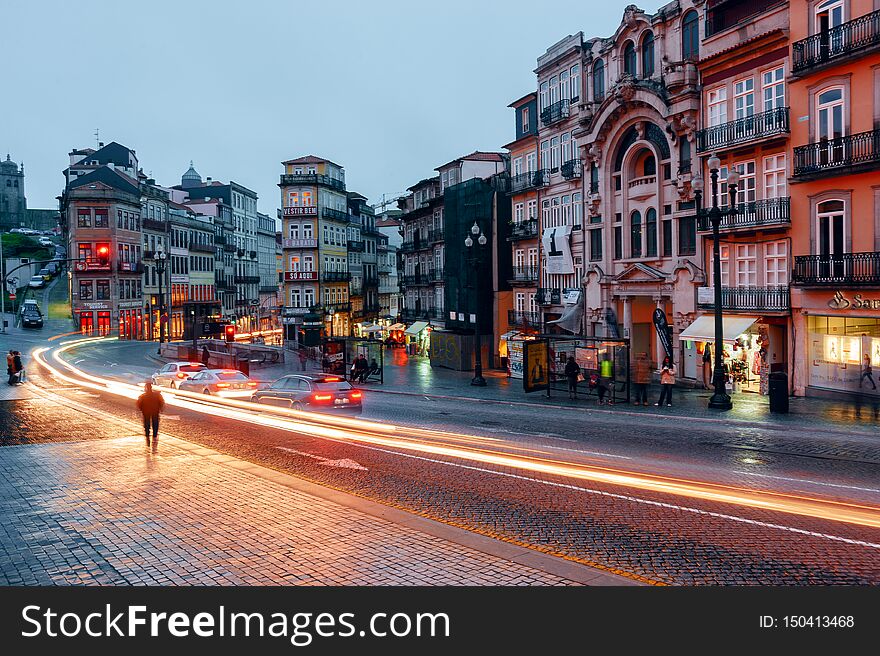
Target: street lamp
[(720, 398), (161, 262), (331, 311), (475, 256)]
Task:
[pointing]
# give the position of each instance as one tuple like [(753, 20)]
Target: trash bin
[(778, 391)]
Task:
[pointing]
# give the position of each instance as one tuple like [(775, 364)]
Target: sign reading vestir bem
[(662, 327)]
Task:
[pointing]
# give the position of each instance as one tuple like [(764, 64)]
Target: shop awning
[(397, 326), (371, 329), (513, 334), (416, 328), (703, 329)]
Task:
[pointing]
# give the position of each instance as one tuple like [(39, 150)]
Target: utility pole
[(3, 291)]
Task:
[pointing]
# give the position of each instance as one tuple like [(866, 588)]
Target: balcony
[(843, 269), (268, 289), (769, 212), (246, 280), (529, 180), (290, 179), (201, 248), (750, 299), (722, 17), (252, 255), (850, 154), (411, 314), (154, 225), (525, 274), (229, 248), (743, 130), (415, 245), (336, 215), (301, 210), (555, 112), (299, 242), (335, 276), (355, 246), (337, 307), (372, 309), (435, 236), (842, 43), (523, 230), (90, 264), (436, 275), (130, 267), (548, 296), (571, 169), (524, 319), (417, 279), (639, 188), (371, 282), (297, 276)]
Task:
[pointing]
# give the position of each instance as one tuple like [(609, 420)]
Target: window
[(531, 162), (687, 235), (294, 298), (545, 154), (554, 153), (532, 209), (554, 89), (525, 119), (651, 232), (629, 58), (618, 243), (598, 80), (545, 95), (684, 156), (745, 193), (690, 36), (84, 218), (85, 290), (774, 176), (635, 239), (648, 55), (102, 288), (773, 88), (829, 115), (744, 97), (649, 166), (716, 101), (746, 265), (667, 238), (830, 227), (563, 85), (518, 212), (575, 82), (566, 147), (101, 219), (776, 264), (292, 198), (517, 166), (829, 14), (596, 244)]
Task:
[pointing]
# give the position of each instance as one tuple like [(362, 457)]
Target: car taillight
[(323, 397), (356, 395), (252, 384), (222, 384), (180, 375)]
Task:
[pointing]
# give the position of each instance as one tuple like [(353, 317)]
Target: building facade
[(269, 312)]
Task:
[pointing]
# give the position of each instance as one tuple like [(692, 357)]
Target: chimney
[(208, 179), (100, 144)]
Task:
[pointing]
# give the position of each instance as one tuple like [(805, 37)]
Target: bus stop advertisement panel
[(607, 359)]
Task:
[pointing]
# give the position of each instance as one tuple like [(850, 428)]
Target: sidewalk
[(113, 512)]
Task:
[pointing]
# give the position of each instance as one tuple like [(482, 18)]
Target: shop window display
[(843, 353)]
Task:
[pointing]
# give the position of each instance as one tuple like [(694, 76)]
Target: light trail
[(468, 448)]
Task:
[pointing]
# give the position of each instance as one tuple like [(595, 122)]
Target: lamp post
[(720, 398), (475, 256), (161, 262), (331, 311)]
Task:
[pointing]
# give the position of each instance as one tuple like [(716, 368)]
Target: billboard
[(536, 366)]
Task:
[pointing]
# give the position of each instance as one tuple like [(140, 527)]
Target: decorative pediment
[(640, 272)]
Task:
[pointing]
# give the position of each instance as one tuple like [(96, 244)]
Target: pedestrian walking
[(303, 359), (206, 355), (667, 380), (641, 378), (151, 404), (867, 372), (10, 366), (360, 368), (17, 368), (572, 374)]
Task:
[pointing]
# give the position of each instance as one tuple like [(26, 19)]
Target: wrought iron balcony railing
[(356, 246), (849, 38), (571, 169), (815, 159), (331, 213), (753, 299), (435, 235), (555, 112), (201, 248), (524, 319), (743, 130), (311, 179), (246, 280), (524, 229), (529, 180), (154, 225), (525, 273), (845, 268), (229, 248), (760, 213)]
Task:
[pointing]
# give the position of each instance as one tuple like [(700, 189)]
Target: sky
[(388, 89)]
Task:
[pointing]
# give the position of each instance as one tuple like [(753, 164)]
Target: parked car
[(36, 281), (219, 382), (47, 275), (31, 317), (173, 373), (45, 241), (318, 392), (53, 267)]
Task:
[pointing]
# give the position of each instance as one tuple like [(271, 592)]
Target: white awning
[(397, 326), (513, 334), (372, 329), (703, 329), (416, 328)]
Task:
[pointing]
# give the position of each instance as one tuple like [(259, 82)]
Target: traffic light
[(229, 332), (104, 255)]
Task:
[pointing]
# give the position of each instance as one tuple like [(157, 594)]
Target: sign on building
[(557, 250)]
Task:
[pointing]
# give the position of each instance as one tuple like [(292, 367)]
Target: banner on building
[(611, 327), (663, 332), (557, 250), (536, 366)]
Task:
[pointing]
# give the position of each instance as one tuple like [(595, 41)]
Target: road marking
[(344, 463), (808, 481)]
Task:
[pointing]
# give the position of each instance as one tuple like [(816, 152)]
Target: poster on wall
[(535, 366), (515, 358), (587, 358), (557, 250)]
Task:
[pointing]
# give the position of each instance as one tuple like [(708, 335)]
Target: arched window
[(635, 236), (651, 232), (831, 238), (598, 81), (649, 167), (690, 36), (648, 55), (629, 58)]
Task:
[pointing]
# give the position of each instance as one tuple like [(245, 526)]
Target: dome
[(8, 166), (191, 178)]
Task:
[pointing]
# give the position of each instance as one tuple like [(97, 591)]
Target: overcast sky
[(388, 89)]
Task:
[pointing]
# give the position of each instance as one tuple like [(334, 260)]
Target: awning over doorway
[(397, 326), (372, 329), (703, 329), (513, 334), (416, 328)]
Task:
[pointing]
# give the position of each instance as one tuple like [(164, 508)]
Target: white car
[(45, 241), (173, 373), (36, 281), (220, 382)]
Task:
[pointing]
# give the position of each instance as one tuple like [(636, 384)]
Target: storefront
[(418, 338), (394, 334), (510, 350)]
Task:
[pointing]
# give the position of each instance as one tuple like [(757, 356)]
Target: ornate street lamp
[(160, 259), (475, 257), (720, 398)]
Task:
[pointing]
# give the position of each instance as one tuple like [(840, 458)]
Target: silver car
[(174, 373), (228, 383)]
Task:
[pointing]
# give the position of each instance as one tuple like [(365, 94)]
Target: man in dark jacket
[(572, 372), (17, 368), (151, 403), (206, 356)]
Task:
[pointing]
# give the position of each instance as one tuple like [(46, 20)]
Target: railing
[(372, 309), (336, 276), (846, 268), (268, 289), (684, 167), (338, 307), (373, 282), (523, 319), (743, 130), (831, 154), (312, 178), (718, 20), (246, 280), (555, 112), (436, 275), (229, 248), (411, 314), (752, 299), (418, 279), (415, 245), (769, 211), (525, 273), (571, 169), (529, 180), (153, 224), (356, 246), (850, 37), (435, 235), (330, 213), (548, 296), (524, 229), (201, 248)]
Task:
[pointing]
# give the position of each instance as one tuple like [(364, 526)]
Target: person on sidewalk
[(641, 378), (17, 368), (667, 380), (10, 366), (572, 373), (360, 368), (151, 404), (206, 355), (303, 359), (867, 372)]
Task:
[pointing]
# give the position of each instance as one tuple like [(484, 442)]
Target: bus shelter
[(339, 355)]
